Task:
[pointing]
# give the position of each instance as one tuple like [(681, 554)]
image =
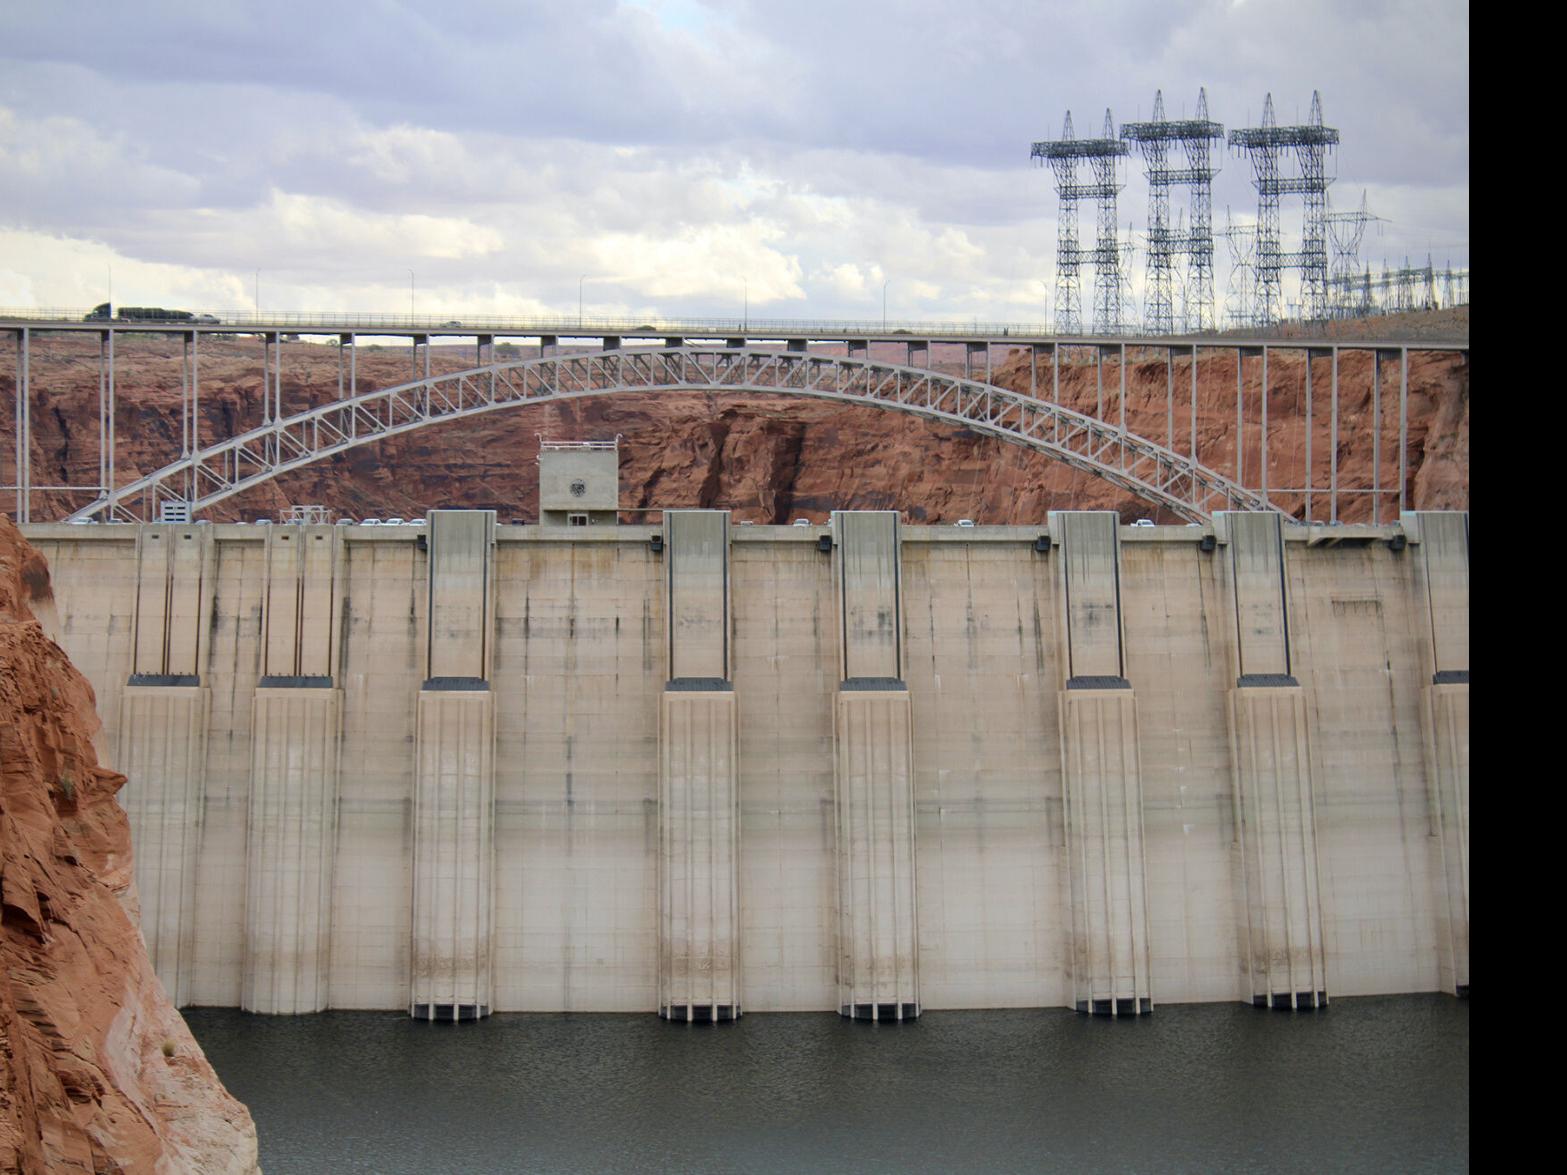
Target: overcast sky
[(672, 156)]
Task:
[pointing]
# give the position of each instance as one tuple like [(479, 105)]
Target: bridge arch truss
[(209, 474)]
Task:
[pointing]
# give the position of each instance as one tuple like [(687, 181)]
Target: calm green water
[(1369, 1085)]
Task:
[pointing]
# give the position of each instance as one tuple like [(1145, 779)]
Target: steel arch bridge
[(206, 476)]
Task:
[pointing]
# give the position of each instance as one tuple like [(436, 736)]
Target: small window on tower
[(577, 519)]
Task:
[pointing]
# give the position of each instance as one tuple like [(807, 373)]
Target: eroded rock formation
[(98, 1072)]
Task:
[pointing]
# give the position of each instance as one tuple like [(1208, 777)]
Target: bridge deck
[(695, 329)]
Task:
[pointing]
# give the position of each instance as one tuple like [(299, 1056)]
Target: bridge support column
[(698, 782), (1106, 860), (454, 776), (162, 743), (1442, 575), (346, 383), (1276, 825), (296, 726), (971, 351), (878, 947)]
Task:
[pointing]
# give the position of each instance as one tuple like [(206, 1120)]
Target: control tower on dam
[(703, 770)]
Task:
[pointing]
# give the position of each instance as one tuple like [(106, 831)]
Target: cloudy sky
[(674, 157)]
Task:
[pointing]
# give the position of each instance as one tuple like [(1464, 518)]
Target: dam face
[(702, 770)]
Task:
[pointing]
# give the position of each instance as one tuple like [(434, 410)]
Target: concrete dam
[(700, 770)]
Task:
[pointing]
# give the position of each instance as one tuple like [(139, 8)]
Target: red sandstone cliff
[(98, 1072), (768, 458)]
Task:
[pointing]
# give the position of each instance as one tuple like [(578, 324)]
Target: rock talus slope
[(98, 1072)]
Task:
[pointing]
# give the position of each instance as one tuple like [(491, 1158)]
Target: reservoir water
[(1371, 1084)]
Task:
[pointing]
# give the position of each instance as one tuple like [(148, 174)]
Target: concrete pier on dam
[(704, 770)]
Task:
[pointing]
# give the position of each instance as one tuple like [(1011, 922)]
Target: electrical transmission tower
[(1063, 155), (1345, 232), (1454, 283), (1154, 139), (1408, 289), (1309, 144), (1240, 298), (1128, 251)]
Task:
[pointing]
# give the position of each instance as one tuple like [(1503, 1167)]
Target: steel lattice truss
[(1063, 155), (1155, 139), (1309, 144), (211, 474), (1400, 291), (1347, 296)]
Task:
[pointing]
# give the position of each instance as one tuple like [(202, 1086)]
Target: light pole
[(745, 312), (884, 286), (1046, 286), (258, 293), (410, 293), (580, 280)]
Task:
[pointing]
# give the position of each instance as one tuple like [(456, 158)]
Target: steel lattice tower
[(1128, 249), (1154, 139), (1069, 258), (1411, 288), (1063, 155), (1310, 145), (1240, 300), (1345, 232), (1453, 282)]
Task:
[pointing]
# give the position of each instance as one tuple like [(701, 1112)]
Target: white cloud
[(54, 154), (846, 280), (38, 269), (673, 152), (313, 224), (712, 259)]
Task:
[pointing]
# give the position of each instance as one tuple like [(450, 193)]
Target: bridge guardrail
[(590, 326)]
